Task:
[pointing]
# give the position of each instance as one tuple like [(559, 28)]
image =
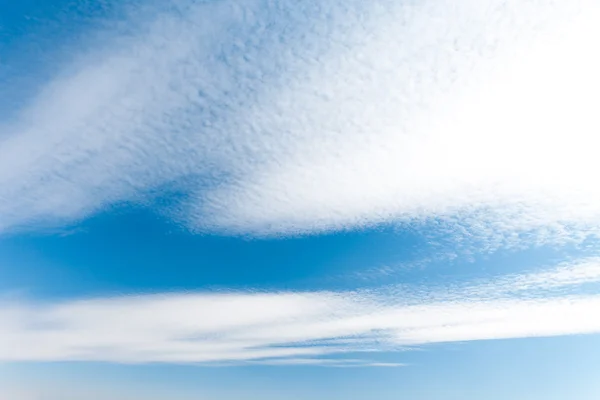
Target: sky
[(273, 199)]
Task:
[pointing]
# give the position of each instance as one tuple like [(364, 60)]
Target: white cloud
[(292, 328), (295, 119), (564, 275), (511, 148)]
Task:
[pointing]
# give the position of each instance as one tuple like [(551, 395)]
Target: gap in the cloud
[(130, 249)]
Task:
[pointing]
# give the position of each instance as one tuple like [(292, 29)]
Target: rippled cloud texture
[(286, 118)]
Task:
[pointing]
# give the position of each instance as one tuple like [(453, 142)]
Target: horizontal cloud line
[(321, 327)]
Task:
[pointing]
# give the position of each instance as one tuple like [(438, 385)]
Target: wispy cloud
[(300, 118), (297, 327)]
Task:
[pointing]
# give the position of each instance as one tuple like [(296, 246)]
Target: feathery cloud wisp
[(293, 328)]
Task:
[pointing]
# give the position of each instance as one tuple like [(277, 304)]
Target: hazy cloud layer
[(279, 118), (318, 328)]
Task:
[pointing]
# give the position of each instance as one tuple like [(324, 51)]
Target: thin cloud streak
[(296, 328), (300, 119)]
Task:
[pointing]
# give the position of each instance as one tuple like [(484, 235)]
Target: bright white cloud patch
[(512, 147), (298, 328), (302, 118)]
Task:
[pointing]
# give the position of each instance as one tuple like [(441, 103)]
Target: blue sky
[(279, 199)]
